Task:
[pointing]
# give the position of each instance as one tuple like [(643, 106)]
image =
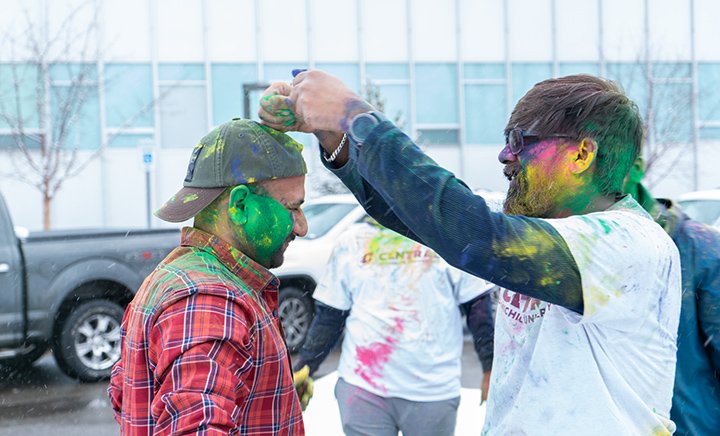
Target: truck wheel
[(88, 343), (296, 313)]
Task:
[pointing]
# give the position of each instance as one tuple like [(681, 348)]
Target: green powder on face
[(268, 226)]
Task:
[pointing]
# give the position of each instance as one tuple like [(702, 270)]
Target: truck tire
[(296, 310), (87, 344)]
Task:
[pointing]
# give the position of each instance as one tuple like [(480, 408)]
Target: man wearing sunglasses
[(587, 322)]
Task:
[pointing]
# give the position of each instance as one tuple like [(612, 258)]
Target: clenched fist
[(316, 101), (303, 386)]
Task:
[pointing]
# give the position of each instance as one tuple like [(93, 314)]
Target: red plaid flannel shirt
[(203, 349)]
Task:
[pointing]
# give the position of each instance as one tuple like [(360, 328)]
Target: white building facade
[(168, 71)]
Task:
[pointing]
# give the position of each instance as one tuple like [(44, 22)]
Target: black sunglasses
[(515, 139)]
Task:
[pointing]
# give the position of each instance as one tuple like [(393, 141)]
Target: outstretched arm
[(366, 195), (481, 324), (405, 190), (325, 330)]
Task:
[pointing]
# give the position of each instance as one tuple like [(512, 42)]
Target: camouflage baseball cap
[(238, 152)]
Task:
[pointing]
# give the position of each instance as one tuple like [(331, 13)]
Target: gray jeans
[(366, 414)]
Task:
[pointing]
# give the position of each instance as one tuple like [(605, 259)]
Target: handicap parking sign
[(146, 150)]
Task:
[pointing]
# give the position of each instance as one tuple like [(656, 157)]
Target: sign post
[(147, 153)]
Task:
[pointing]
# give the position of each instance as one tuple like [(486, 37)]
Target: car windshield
[(705, 211), (321, 217)]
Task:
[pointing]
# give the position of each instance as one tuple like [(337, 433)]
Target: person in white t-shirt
[(586, 332), (399, 304)]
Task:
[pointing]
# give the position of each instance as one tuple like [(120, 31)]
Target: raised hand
[(315, 101), (276, 109)]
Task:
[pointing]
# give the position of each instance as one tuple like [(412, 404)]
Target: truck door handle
[(4, 267)]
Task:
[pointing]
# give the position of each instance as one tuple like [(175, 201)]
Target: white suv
[(702, 206), (306, 259)]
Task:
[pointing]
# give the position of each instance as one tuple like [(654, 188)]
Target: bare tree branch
[(45, 153), (665, 100)]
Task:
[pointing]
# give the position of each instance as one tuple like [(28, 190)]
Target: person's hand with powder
[(315, 101), (303, 385)]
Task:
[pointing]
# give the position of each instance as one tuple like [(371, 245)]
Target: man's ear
[(637, 171), (237, 210), (584, 156)]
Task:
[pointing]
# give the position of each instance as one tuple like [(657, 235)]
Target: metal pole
[(148, 202), (694, 101)]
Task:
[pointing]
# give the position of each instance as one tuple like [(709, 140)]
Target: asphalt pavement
[(40, 400)]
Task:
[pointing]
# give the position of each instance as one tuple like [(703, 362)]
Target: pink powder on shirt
[(371, 360)]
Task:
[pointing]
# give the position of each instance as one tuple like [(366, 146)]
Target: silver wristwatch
[(362, 124)]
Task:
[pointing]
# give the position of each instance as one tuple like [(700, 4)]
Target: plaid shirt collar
[(250, 272)]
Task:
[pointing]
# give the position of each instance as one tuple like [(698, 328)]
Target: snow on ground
[(322, 417)]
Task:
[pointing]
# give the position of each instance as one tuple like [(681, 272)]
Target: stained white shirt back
[(403, 337)]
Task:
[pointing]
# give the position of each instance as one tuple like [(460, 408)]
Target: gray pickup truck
[(68, 290)]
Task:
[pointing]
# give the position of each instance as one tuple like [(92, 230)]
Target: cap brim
[(186, 203)]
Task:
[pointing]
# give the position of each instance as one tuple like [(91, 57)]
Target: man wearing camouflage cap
[(202, 345)]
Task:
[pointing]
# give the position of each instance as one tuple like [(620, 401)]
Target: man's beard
[(537, 201), (278, 257)]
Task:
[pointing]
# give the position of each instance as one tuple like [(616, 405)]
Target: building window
[(392, 80), (128, 96), (181, 72), (348, 73), (438, 137), (227, 92), (671, 70), (485, 113), (709, 91), (183, 106), (75, 113), (31, 140), (386, 71), (526, 75), (633, 78), (710, 133), (129, 140), (183, 115), (483, 71), (569, 68), (273, 72), (672, 104), (18, 89), (397, 104), (663, 93), (436, 93), (75, 107)]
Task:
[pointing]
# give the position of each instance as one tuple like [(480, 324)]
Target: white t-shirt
[(403, 337), (609, 371)]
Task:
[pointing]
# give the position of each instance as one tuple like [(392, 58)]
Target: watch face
[(361, 126)]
